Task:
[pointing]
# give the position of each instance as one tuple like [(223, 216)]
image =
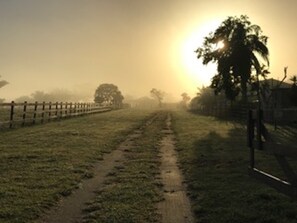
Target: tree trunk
[(244, 91)]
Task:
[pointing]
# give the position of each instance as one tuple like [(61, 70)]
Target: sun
[(197, 72), (220, 45)]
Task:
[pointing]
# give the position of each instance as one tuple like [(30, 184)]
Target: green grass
[(132, 190), (214, 158), (40, 164)]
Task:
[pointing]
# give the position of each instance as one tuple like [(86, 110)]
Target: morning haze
[(138, 45)]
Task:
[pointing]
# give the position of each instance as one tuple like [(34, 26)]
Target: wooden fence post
[(42, 114), (75, 109), (70, 110), (35, 112), (11, 114), (66, 111), (61, 110), (24, 113), (56, 113), (250, 138), (49, 111), (259, 129)]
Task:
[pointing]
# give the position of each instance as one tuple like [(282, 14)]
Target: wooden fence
[(240, 113), (21, 114), (260, 138)]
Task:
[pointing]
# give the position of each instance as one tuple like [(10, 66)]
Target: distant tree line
[(57, 95)]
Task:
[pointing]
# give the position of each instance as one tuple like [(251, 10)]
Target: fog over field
[(74, 46)]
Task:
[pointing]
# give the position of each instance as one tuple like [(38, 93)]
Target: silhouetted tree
[(185, 100), (206, 98), (242, 43), (157, 94), (108, 94), (293, 90), (294, 80)]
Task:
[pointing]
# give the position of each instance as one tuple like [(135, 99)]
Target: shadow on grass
[(220, 188)]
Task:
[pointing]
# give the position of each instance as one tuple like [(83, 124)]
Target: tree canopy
[(109, 94), (158, 94), (242, 45), (206, 98), (185, 99)]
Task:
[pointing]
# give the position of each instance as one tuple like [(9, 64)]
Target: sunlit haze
[(137, 45)]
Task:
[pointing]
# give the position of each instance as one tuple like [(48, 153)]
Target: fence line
[(236, 113), (14, 114), (276, 116)]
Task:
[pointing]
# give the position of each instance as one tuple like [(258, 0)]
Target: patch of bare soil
[(69, 209), (176, 205)]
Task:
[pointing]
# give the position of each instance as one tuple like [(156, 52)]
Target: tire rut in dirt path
[(69, 209), (176, 205)]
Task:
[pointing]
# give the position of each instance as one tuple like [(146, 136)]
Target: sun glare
[(220, 45), (198, 73)]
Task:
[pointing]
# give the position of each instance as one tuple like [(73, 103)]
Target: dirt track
[(176, 205), (174, 208), (69, 209)]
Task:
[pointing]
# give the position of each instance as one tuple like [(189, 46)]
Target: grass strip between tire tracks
[(132, 189)]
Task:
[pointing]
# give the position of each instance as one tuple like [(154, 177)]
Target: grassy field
[(42, 163), (132, 190), (39, 164), (214, 158)]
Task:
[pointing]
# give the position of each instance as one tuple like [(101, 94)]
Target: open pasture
[(215, 159), (41, 164)]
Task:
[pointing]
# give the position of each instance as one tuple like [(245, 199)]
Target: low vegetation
[(40, 164), (132, 190), (214, 158)]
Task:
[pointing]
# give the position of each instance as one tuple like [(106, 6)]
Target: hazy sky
[(136, 44)]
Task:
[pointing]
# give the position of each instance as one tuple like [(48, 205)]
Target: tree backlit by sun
[(235, 46)]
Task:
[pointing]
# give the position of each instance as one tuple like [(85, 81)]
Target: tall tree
[(108, 94), (242, 44), (158, 94), (185, 99)]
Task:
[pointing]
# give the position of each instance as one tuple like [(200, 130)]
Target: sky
[(137, 45)]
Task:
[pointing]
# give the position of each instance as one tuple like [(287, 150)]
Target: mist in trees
[(109, 95), (57, 95), (185, 100), (206, 98), (158, 95)]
